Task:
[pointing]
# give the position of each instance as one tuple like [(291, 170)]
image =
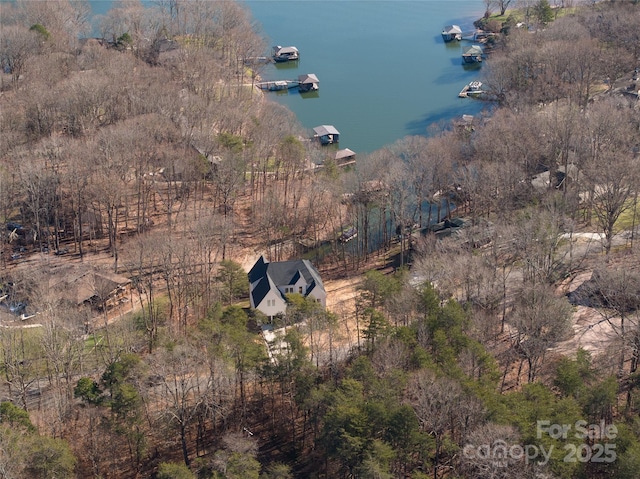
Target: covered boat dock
[(308, 82), (472, 54), (451, 32), (285, 54), (327, 134)]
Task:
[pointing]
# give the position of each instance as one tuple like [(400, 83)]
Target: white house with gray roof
[(269, 282)]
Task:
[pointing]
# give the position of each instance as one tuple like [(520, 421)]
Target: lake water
[(384, 70), (383, 67)]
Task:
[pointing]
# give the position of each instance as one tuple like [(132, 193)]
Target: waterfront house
[(451, 32), (327, 134), (270, 282)]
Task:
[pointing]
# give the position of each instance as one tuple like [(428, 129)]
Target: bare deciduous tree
[(540, 319), (17, 45), (66, 20), (443, 408), (184, 389), (611, 166)]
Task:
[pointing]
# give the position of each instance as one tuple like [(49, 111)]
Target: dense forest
[(503, 342)]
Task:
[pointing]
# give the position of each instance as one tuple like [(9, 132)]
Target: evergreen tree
[(544, 12)]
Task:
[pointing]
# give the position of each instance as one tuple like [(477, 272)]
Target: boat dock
[(348, 234), (464, 93), (305, 83), (285, 54), (471, 89), (478, 36), (472, 54), (277, 85)]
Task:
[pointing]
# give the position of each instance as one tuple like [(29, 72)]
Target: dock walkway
[(478, 36), (471, 89), (464, 92)]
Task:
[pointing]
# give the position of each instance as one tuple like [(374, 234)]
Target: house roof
[(312, 287), (323, 130), (265, 276), (308, 78), (261, 288), (165, 45), (288, 272), (541, 181), (344, 153), (80, 284), (258, 270), (212, 159)]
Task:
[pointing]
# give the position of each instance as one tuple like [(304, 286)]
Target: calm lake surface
[(384, 70)]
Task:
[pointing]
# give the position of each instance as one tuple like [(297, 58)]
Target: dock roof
[(279, 50), (308, 78), (451, 29), (323, 130), (473, 50)]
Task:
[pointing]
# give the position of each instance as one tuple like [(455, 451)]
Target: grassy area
[(92, 341), (626, 220), (244, 304), (519, 15)]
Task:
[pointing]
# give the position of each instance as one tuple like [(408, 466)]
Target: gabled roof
[(308, 78), (261, 289), (311, 287), (79, 284), (473, 50), (284, 50), (265, 276), (288, 272), (258, 270), (323, 130), (452, 29), (345, 153), (295, 277)]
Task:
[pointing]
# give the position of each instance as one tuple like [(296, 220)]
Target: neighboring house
[(345, 157), (270, 282), (542, 181), (92, 287)]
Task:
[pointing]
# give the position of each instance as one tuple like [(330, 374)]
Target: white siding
[(272, 304)]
